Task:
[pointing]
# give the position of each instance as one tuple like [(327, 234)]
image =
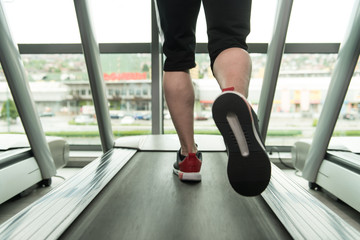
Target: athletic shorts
[(228, 25)]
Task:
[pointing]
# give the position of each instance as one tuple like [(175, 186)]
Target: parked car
[(350, 116), (47, 114), (128, 120), (84, 119), (116, 116), (147, 116), (142, 116)]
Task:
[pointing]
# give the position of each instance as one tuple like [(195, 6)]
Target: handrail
[(97, 84), (340, 81), (19, 85), (272, 68)]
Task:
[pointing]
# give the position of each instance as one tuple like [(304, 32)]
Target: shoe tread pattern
[(249, 176)]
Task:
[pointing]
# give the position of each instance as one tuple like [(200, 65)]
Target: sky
[(54, 21)]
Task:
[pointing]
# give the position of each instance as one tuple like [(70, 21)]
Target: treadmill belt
[(145, 200)]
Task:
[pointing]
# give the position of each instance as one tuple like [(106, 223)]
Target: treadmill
[(130, 192), (339, 169), (19, 169)]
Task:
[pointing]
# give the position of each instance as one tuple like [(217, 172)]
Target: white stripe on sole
[(252, 121), (238, 133), (191, 176)]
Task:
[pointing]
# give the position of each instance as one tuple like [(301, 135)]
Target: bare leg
[(232, 68), (179, 94)]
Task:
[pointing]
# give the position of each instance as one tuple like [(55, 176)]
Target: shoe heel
[(194, 176)]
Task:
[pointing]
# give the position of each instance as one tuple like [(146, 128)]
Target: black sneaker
[(249, 168), (188, 168)]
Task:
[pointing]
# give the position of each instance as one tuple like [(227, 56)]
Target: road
[(63, 123)]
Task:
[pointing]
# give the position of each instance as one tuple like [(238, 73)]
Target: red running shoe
[(188, 168)]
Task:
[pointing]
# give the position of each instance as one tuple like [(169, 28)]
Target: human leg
[(249, 168), (232, 68), (178, 22), (230, 62), (179, 95)]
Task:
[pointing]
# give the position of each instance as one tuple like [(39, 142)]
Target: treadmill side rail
[(49, 216), (304, 216)]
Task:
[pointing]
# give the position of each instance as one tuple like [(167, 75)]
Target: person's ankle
[(185, 152)]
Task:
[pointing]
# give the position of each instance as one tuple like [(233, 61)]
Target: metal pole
[(157, 102), (272, 68), (8, 111), (340, 80), (93, 64), (19, 86)]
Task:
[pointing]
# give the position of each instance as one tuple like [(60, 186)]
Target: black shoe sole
[(248, 175)]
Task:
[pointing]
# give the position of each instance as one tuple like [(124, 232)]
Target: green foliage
[(315, 122), (72, 122), (96, 133), (285, 133), (349, 133), (145, 68), (9, 110)]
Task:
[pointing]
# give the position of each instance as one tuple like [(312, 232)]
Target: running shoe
[(188, 168), (249, 168)]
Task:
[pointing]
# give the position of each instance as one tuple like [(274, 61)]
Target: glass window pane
[(319, 21), (61, 91), (310, 21), (42, 21), (122, 20), (300, 94), (54, 21), (262, 21)]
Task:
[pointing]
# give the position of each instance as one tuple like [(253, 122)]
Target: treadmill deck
[(147, 201)]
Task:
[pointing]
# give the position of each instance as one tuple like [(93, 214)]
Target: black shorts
[(228, 25)]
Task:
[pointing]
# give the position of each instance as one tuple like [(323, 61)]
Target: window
[(113, 21), (300, 94), (315, 21), (60, 84), (31, 27)]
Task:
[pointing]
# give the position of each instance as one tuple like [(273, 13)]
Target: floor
[(15, 205)]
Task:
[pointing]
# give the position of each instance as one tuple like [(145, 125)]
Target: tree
[(145, 68), (9, 110)]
